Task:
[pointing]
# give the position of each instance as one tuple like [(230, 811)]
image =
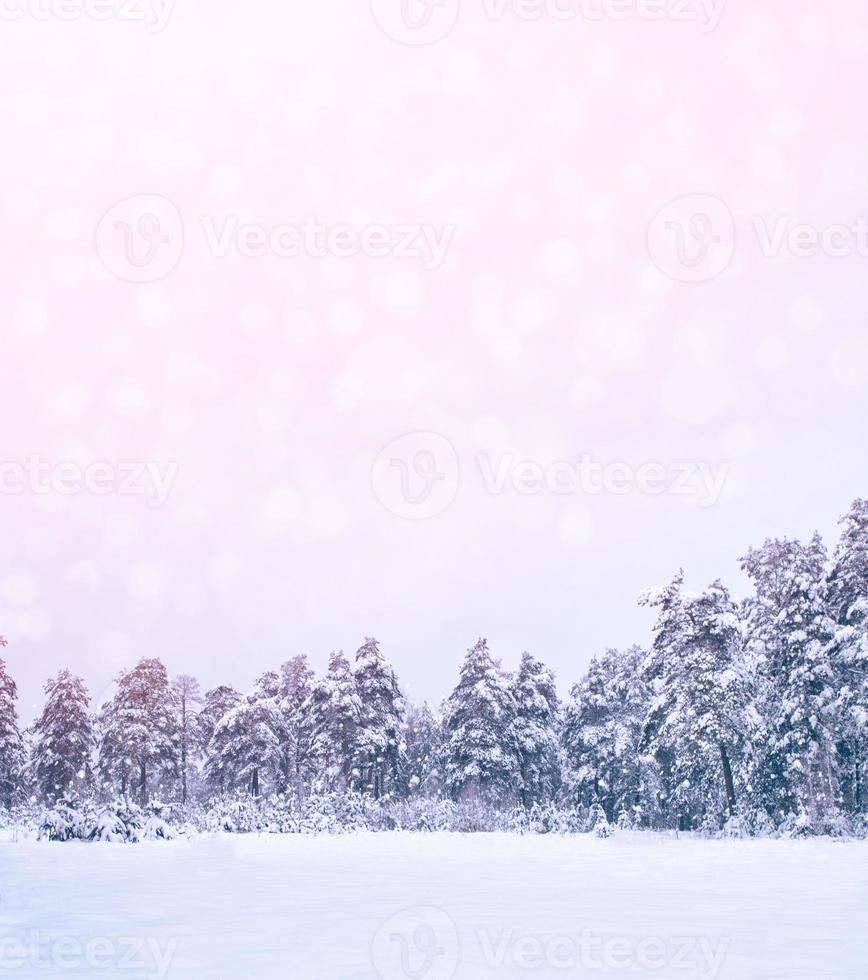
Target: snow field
[(435, 907)]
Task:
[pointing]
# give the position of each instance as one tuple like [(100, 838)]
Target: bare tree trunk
[(345, 765), (727, 779), (299, 782)]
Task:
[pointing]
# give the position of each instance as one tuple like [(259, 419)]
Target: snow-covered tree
[(12, 756), (791, 631), (215, 705), (297, 763), (847, 601), (847, 586), (421, 756), (137, 732), (268, 684), (382, 711), (63, 739), (335, 713), (481, 759), (536, 731), (757, 709), (186, 694), (219, 701), (606, 760), (696, 714), (244, 751)]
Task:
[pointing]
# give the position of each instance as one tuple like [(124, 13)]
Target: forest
[(740, 717)]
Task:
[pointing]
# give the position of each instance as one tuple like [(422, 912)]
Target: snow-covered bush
[(21, 820), (66, 820), (342, 813), (759, 824), (114, 822), (156, 828), (711, 825), (118, 821), (598, 823), (109, 827), (735, 828)]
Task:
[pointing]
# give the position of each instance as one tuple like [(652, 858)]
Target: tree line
[(752, 710)]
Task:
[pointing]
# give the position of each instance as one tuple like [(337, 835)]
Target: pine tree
[(63, 739), (12, 756), (481, 760), (421, 753), (297, 763), (335, 712), (186, 695), (668, 629), (137, 731), (847, 588), (382, 712), (847, 600), (268, 685), (218, 703), (606, 761), (699, 698), (244, 751), (789, 625), (536, 730)]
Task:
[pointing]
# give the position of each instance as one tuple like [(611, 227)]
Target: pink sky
[(542, 150)]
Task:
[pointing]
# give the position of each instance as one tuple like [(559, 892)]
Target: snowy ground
[(419, 907)]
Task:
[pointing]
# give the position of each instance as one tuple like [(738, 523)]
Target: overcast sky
[(548, 243)]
